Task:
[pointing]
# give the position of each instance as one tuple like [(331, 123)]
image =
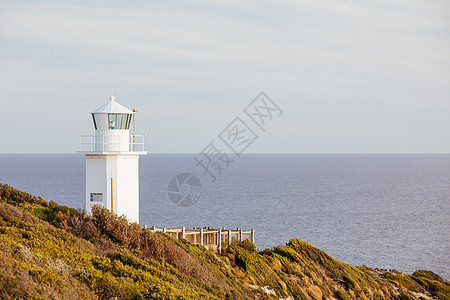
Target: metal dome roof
[(112, 107)]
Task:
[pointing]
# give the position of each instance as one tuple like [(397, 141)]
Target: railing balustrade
[(208, 237), (91, 143)]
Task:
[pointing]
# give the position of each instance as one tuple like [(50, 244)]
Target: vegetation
[(48, 251)]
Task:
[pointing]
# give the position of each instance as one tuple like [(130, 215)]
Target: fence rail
[(209, 237)]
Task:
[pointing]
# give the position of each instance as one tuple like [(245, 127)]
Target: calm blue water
[(381, 210)]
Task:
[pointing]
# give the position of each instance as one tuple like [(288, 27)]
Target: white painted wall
[(95, 179), (112, 140), (127, 187), (124, 169)]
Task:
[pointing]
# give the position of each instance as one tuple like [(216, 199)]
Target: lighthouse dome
[(112, 107), (112, 116)]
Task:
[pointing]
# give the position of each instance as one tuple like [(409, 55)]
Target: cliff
[(51, 251)]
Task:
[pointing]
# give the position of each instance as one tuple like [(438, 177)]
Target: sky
[(350, 76)]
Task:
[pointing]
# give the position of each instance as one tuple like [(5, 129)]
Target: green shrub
[(428, 275), (247, 245)]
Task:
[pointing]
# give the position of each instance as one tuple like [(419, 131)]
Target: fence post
[(219, 241), (201, 236), (240, 235), (183, 232), (229, 237), (253, 235), (164, 229)]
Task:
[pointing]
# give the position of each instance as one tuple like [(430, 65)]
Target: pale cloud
[(347, 72)]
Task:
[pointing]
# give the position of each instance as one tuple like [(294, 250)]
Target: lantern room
[(112, 116), (112, 124)]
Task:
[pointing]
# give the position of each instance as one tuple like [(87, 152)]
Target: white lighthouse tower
[(112, 161)]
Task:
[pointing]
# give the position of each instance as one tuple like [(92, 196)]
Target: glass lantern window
[(127, 123), (95, 124), (119, 121), (111, 121)]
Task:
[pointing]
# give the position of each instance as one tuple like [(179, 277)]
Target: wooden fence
[(211, 238)]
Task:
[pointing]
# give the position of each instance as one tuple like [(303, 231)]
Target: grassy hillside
[(48, 251)]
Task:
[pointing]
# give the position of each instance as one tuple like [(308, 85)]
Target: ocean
[(380, 210)]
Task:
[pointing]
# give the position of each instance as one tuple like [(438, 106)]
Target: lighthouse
[(112, 160)]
